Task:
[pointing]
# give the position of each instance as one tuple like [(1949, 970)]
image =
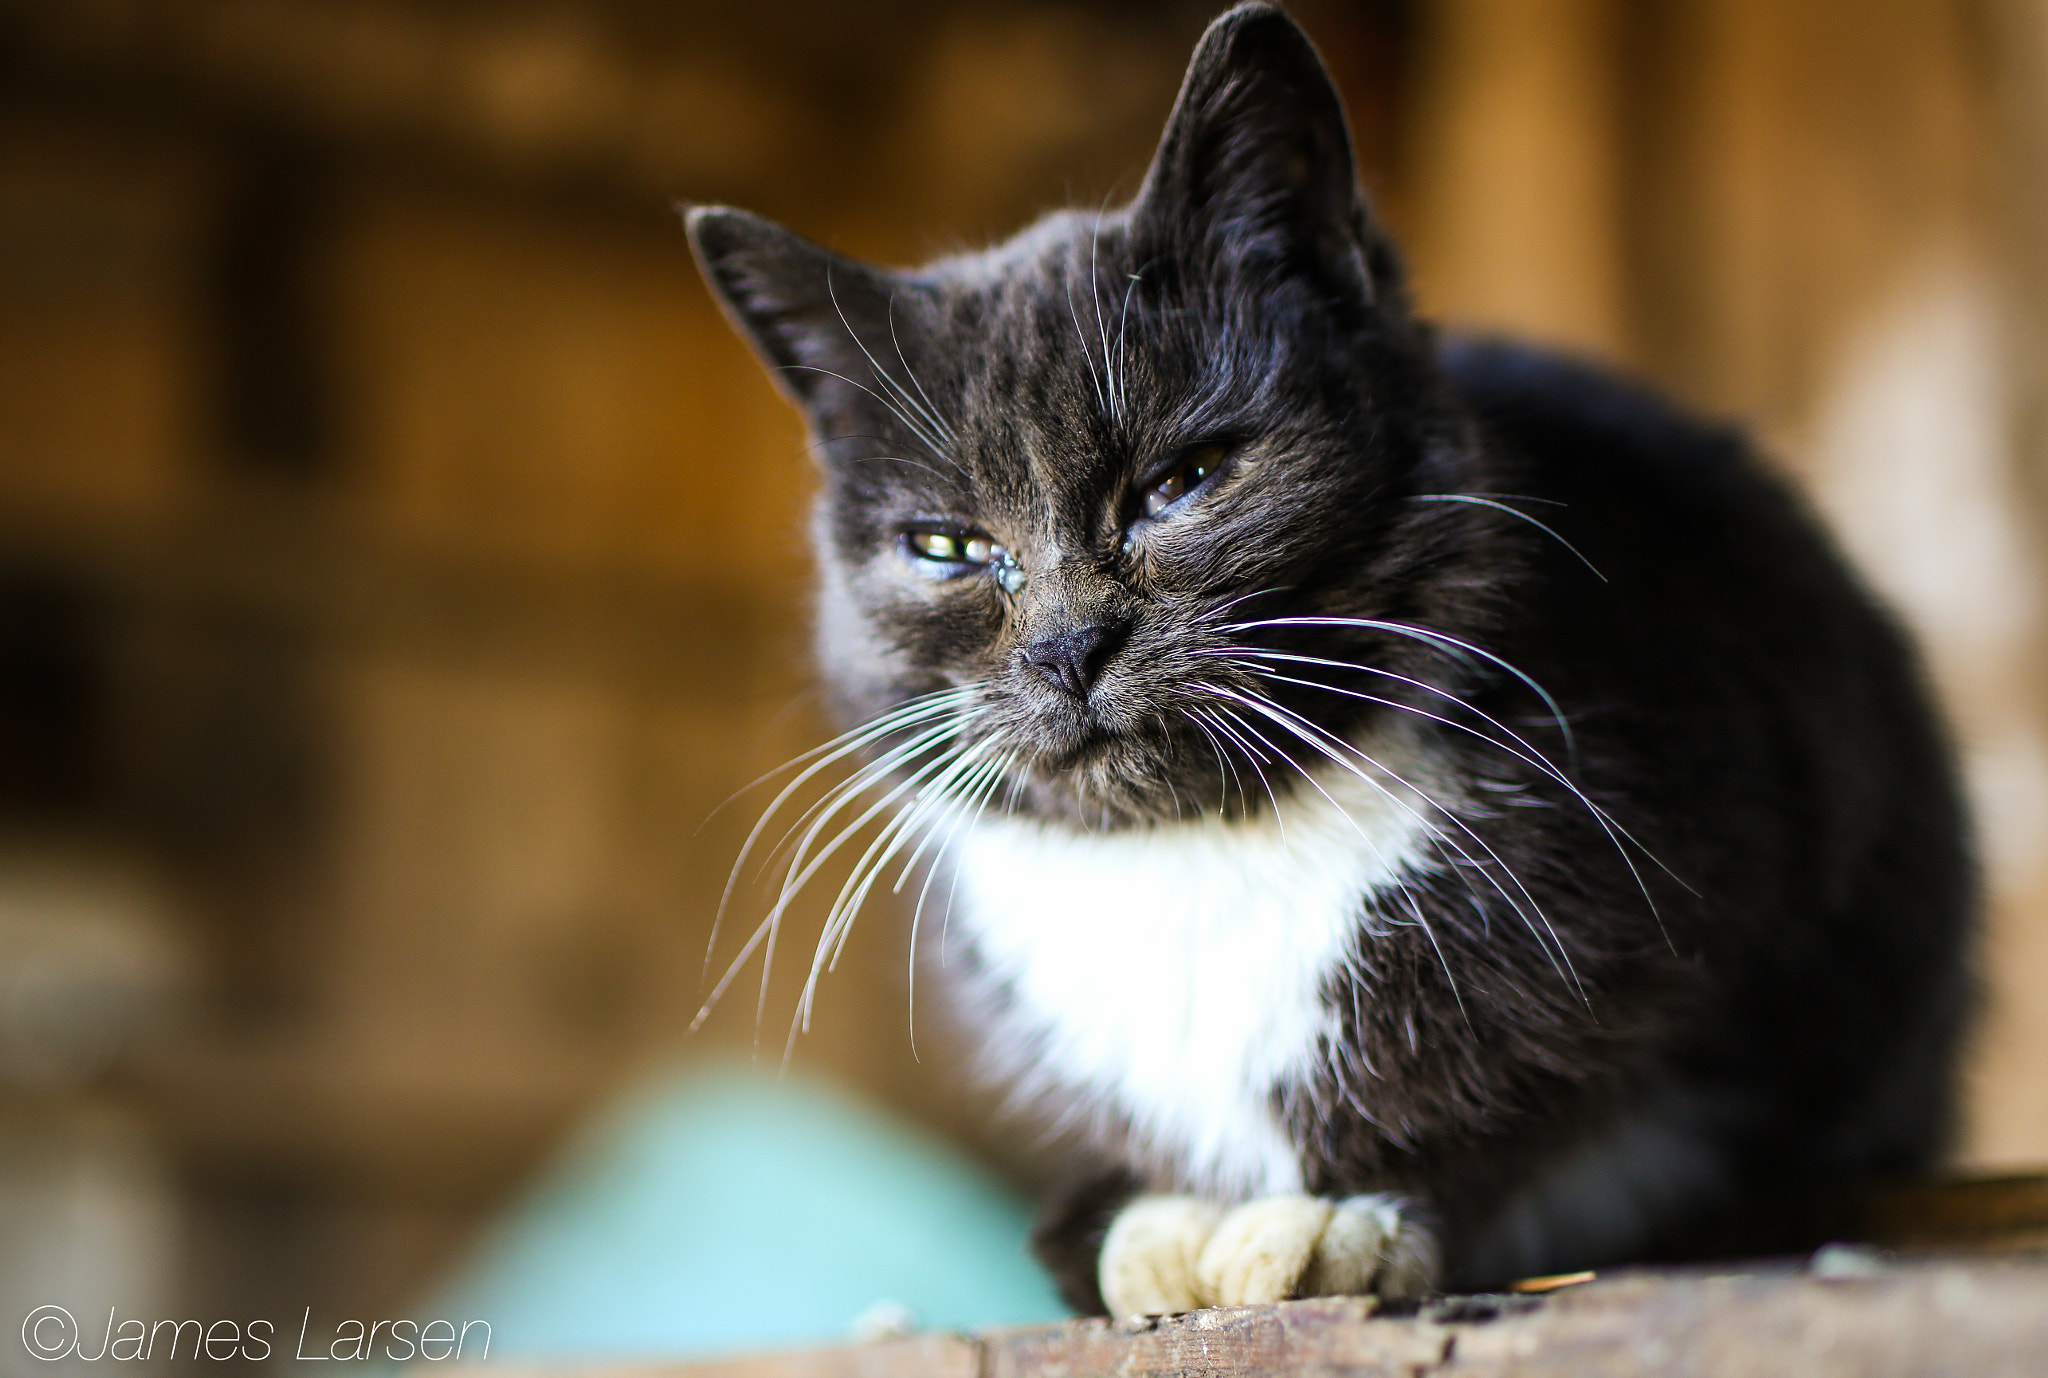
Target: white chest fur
[(1178, 974)]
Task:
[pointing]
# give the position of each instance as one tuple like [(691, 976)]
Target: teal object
[(721, 1211)]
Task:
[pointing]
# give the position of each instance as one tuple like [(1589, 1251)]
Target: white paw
[(1168, 1254), (1373, 1244), (1262, 1250), (1148, 1256)]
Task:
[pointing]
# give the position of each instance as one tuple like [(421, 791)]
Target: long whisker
[(1237, 728), (1569, 971), (930, 408), (924, 436), (964, 775), (1238, 655), (1082, 340), (944, 704), (1503, 507), (1222, 786), (882, 723), (966, 789), (926, 431), (977, 796), (795, 880), (1233, 728), (770, 926), (957, 782), (1534, 757), (1210, 614), (1331, 746), (809, 861), (1373, 844), (927, 732), (1101, 330), (1429, 637), (860, 880), (1442, 837), (1018, 783), (1616, 834), (904, 715)]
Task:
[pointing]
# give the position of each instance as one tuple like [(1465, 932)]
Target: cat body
[(1419, 813)]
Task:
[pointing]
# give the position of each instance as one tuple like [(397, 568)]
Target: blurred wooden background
[(400, 560)]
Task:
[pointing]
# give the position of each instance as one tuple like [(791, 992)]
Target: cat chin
[(1114, 783)]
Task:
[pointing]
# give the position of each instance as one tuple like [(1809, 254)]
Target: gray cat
[(1426, 812)]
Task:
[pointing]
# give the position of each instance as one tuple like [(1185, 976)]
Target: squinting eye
[(937, 545), (1197, 464), (953, 548)]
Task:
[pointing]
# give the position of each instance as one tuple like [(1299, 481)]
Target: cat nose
[(1072, 660)]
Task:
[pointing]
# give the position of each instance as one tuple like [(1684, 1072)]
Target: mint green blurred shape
[(718, 1211)]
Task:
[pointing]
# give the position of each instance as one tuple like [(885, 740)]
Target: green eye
[(1195, 465), (939, 546), (954, 548)]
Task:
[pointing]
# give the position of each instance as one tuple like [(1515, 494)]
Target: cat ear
[(1256, 157), (813, 315)]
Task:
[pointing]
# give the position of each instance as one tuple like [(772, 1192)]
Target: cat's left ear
[(1256, 158), (817, 318)]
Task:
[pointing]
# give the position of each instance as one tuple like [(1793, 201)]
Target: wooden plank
[(1932, 1321), (1959, 1316), (1325, 1336), (919, 1356)]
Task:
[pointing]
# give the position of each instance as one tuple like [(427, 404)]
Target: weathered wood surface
[(1930, 1317)]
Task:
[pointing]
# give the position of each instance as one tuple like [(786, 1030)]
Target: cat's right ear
[(1255, 165), (811, 314)]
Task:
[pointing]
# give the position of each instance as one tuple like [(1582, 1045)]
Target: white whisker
[(953, 707), (1232, 725), (1429, 637), (1101, 330), (1371, 842), (868, 868), (1503, 507), (1087, 357), (930, 408), (975, 796), (1331, 746), (1122, 355), (904, 715), (1522, 751), (922, 436), (924, 429)]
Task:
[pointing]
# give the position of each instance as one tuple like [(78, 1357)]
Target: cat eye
[(950, 548), (954, 553), (1190, 470)]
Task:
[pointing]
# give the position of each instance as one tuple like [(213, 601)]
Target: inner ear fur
[(817, 318), (1256, 159)]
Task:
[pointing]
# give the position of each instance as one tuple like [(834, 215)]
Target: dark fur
[(1736, 700)]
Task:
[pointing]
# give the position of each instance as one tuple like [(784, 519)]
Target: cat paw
[(1373, 1245), (1149, 1256), (1263, 1250), (1167, 1254)]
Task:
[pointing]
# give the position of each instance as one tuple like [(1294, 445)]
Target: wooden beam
[(1857, 1314)]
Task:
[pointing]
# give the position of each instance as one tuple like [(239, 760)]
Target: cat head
[(1064, 478)]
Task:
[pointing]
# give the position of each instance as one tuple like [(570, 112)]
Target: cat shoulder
[(1544, 398)]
